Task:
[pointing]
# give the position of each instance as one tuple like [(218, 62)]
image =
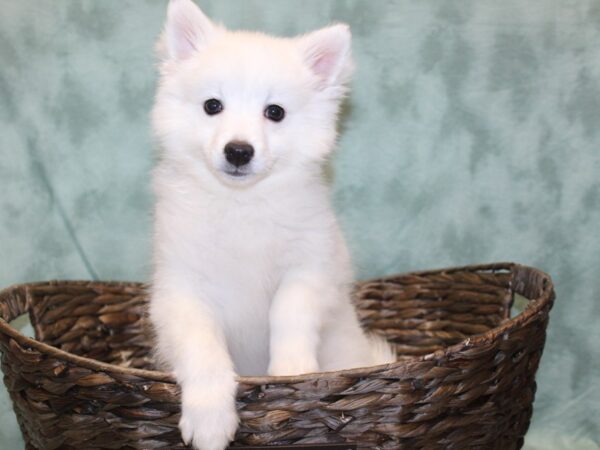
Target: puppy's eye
[(213, 106), (275, 113)]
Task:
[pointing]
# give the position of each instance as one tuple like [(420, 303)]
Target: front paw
[(208, 416), (293, 365)]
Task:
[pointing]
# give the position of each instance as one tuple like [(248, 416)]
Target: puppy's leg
[(192, 342), (345, 345), (295, 320)]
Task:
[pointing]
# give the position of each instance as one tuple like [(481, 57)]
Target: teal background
[(472, 135)]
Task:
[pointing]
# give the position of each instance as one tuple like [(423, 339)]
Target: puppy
[(251, 272)]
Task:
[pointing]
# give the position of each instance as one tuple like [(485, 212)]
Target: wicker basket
[(464, 379)]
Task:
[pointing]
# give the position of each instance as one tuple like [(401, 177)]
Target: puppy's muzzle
[(238, 153)]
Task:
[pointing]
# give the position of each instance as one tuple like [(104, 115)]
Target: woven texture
[(465, 376)]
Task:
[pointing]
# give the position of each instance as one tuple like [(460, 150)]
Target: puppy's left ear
[(327, 52)]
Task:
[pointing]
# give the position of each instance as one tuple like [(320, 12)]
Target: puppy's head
[(242, 106)]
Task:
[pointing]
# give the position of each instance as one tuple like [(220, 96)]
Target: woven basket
[(464, 379)]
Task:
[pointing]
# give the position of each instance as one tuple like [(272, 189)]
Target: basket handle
[(14, 302), (531, 283)]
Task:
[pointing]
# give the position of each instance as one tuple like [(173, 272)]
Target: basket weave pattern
[(465, 376)]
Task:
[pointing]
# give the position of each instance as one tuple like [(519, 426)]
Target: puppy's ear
[(328, 54), (187, 30)]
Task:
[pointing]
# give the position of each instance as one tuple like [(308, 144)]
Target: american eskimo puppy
[(251, 272)]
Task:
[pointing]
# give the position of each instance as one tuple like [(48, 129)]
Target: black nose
[(239, 153)]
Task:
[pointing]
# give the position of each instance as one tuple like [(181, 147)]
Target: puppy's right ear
[(327, 54), (187, 30)]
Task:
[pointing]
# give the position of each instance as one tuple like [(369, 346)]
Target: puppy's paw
[(293, 365), (208, 416)]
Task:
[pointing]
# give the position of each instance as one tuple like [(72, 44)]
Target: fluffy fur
[(251, 273)]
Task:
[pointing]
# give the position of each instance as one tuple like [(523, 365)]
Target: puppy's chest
[(238, 253), (241, 267)]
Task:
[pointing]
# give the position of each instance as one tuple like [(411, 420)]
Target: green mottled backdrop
[(472, 136)]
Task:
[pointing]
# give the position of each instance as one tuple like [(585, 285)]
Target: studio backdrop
[(472, 134)]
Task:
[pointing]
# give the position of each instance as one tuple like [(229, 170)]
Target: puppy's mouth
[(236, 173), (239, 175)]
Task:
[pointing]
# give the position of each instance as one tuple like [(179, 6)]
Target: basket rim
[(534, 306)]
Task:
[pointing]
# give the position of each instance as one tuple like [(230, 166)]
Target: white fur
[(251, 274)]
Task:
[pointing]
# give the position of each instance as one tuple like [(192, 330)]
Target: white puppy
[(252, 274)]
